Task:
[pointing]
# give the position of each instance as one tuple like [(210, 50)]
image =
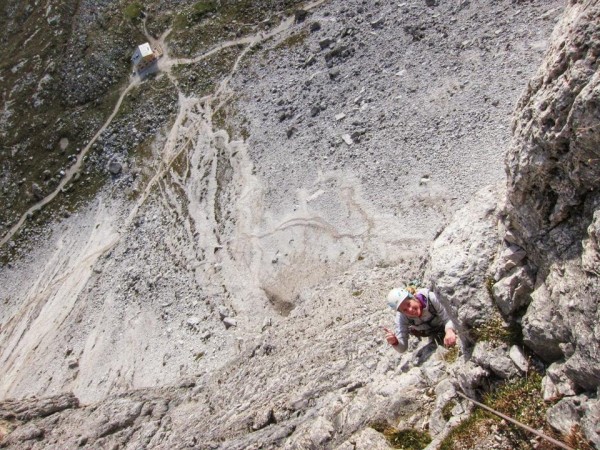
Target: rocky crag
[(227, 293), (543, 272)]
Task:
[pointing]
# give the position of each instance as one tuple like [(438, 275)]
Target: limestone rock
[(543, 329), (518, 358), (471, 376), (263, 418), (321, 432), (32, 407), (565, 415), (555, 383), (37, 192), (512, 292), (495, 359), (553, 201), (19, 436), (461, 258), (229, 322), (509, 259), (590, 423), (115, 167), (590, 259), (367, 439)]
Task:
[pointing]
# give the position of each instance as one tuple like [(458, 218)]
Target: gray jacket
[(434, 316)]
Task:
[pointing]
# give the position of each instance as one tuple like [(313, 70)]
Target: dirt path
[(71, 171)]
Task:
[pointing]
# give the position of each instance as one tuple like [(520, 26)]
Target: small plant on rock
[(451, 354), (407, 439), (519, 399), (495, 330), (447, 410)]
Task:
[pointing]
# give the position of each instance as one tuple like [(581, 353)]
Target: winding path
[(164, 64)]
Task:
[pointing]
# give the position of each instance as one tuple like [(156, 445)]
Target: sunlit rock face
[(553, 202)]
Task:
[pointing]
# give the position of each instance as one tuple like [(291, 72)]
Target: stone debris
[(115, 167), (229, 322), (347, 139), (518, 357)]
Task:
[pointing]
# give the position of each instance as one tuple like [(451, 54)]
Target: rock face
[(553, 203), (540, 247), (462, 257), (550, 224)]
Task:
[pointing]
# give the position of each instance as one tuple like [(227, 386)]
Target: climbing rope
[(522, 425)]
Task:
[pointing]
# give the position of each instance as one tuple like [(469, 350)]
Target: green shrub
[(200, 9), (133, 11), (495, 330)]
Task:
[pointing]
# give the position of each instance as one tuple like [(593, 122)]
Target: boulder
[(590, 424), (513, 292), (518, 358), (566, 414), (494, 358), (115, 167), (471, 376), (555, 383), (37, 192)]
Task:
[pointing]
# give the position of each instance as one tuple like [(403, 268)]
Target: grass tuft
[(407, 439), (496, 330), (489, 286), (132, 11), (447, 410), (520, 399), (452, 354)]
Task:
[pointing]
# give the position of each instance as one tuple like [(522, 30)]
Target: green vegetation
[(204, 24), (53, 113), (293, 40), (202, 8), (519, 399), (489, 286), (447, 410), (357, 293), (228, 118), (452, 354), (407, 439), (132, 11), (495, 330), (180, 163), (201, 78)]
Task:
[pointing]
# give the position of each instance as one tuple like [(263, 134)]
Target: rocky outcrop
[(462, 257), (540, 250), (553, 203)]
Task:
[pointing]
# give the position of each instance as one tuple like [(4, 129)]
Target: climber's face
[(411, 308)]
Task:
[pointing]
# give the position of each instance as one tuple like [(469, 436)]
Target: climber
[(419, 313)]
